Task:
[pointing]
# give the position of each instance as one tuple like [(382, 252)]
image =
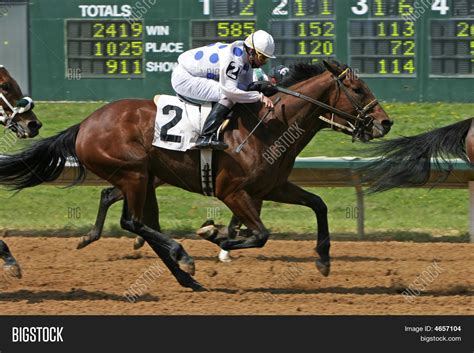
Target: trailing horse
[(115, 143), (11, 266), (16, 115)]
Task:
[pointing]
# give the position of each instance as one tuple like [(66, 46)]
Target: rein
[(318, 103), (4, 117), (362, 119)]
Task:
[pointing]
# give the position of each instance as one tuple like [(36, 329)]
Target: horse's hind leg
[(11, 266), (151, 219), (108, 197), (138, 194), (139, 241)]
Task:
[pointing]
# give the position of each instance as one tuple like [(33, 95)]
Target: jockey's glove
[(263, 86)]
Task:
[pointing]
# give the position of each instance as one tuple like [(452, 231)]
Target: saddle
[(178, 124)]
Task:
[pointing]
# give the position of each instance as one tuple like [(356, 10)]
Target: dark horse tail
[(406, 161), (42, 162)]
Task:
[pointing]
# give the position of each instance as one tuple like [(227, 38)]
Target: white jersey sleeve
[(259, 75), (236, 74)]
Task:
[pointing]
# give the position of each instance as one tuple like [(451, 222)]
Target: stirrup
[(203, 142), (210, 142), (218, 145)]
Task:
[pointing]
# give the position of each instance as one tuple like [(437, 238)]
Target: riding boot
[(208, 138)]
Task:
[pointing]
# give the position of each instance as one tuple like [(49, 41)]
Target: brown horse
[(115, 143), (23, 123)]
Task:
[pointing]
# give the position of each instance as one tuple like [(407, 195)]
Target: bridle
[(362, 121), (7, 119)]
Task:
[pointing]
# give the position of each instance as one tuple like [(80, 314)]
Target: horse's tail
[(406, 161), (42, 162)]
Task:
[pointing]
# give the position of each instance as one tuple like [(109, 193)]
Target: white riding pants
[(199, 88)]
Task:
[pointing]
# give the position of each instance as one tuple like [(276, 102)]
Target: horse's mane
[(302, 71)]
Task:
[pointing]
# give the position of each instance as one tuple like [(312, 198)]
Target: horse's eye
[(5, 86), (358, 91)]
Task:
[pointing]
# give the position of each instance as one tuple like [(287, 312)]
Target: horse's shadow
[(39, 296), (32, 297), (298, 259), (377, 290)]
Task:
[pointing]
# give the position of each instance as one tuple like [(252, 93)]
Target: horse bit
[(362, 120)]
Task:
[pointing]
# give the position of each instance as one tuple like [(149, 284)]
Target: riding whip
[(239, 147)]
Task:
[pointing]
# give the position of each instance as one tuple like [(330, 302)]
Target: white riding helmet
[(262, 42)]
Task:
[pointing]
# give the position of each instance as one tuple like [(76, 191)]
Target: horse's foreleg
[(11, 266), (108, 197), (292, 194), (235, 223), (138, 194), (245, 210), (233, 230)]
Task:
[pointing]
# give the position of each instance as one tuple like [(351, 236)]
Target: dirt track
[(366, 278)]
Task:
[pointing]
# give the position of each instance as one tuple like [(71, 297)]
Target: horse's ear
[(332, 68)]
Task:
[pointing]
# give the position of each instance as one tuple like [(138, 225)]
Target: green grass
[(416, 214)]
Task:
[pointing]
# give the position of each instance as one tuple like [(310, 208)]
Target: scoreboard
[(105, 48), (406, 50)]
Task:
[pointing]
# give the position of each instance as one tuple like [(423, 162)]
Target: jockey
[(221, 73)]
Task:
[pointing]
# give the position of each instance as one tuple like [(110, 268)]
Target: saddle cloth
[(178, 124)]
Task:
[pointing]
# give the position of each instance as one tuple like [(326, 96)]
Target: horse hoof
[(83, 242), (323, 267), (187, 266), (139, 242), (187, 281), (182, 259), (209, 222), (200, 289), (224, 256), (13, 271), (207, 232), (196, 286)]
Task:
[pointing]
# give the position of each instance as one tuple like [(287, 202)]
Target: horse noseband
[(363, 120)]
